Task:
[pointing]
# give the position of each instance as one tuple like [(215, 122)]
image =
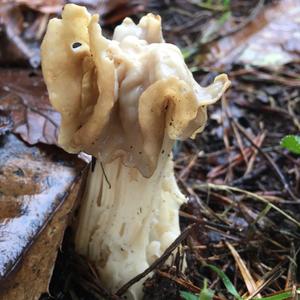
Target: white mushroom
[(125, 101)]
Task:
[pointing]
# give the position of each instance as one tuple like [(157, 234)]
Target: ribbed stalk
[(127, 221)]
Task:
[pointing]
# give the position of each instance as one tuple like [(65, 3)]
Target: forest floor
[(241, 224)]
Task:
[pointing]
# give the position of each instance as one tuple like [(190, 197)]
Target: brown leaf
[(23, 95), (15, 50), (23, 24), (270, 40), (36, 186), (115, 11), (46, 7)]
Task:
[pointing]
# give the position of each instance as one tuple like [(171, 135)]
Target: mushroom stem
[(128, 222)]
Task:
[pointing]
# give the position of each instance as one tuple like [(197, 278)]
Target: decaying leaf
[(23, 95), (38, 188), (270, 40), (46, 7), (23, 24), (15, 48)]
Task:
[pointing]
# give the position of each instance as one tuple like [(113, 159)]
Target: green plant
[(291, 143), (208, 294)]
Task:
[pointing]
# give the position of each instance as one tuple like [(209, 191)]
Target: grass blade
[(281, 296), (206, 293), (228, 284), (188, 296)]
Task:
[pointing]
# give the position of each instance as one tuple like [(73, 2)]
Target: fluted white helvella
[(125, 101)]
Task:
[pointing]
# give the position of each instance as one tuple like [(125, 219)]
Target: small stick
[(93, 163), (253, 157), (186, 170), (248, 279), (226, 139), (105, 176), (269, 160), (181, 282), (235, 130), (250, 194), (158, 262)]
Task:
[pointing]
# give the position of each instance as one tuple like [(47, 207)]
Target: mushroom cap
[(63, 65), (121, 97)]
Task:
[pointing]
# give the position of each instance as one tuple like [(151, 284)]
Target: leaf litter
[(243, 213)]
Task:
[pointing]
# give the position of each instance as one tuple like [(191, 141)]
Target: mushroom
[(125, 101)]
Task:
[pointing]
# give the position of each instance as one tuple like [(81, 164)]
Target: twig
[(292, 268), (94, 288), (234, 129), (179, 281), (105, 176), (262, 76), (253, 157), (93, 163), (250, 176), (273, 275), (87, 278), (226, 138), (248, 279), (269, 160), (158, 262), (186, 170), (250, 194)]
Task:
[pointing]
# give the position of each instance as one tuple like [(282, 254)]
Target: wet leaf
[(23, 24), (269, 40), (15, 49), (38, 188), (23, 96)]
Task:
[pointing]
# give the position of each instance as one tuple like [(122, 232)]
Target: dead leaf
[(15, 50), (35, 183), (115, 11), (270, 40), (46, 7), (23, 95), (24, 22), (35, 268)]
